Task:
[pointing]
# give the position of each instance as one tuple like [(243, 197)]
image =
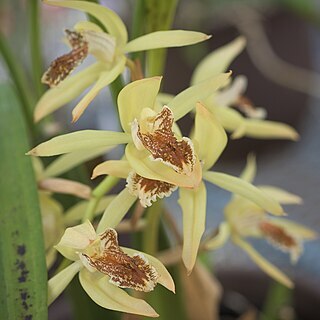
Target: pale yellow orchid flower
[(105, 268), (245, 219), (108, 46), (221, 102), (209, 140)]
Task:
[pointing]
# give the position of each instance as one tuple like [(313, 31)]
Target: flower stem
[(35, 46), (106, 185), (159, 15)]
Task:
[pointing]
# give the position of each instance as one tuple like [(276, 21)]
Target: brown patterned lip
[(61, 67), (164, 146), (124, 271)]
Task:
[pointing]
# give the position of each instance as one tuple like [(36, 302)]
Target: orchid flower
[(105, 269), (245, 219), (136, 170), (109, 46), (221, 103), (159, 160)]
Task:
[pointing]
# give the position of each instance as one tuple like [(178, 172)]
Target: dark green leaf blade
[(23, 276)]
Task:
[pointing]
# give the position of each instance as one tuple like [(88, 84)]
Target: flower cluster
[(157, 160)]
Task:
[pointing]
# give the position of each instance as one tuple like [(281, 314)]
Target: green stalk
[(20, 81), (115, 87), (150, 237), (105, 186), (35, 46), (278, 297), (138, 27), (159, 16)]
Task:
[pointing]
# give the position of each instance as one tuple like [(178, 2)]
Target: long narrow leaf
[(23, 277)]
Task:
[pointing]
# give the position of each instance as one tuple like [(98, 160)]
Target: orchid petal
[(136, 96), (220, 239), (66, 91), (165, 278), (78, 237), (206, 125), (186, 100), (104, 80), (111, 297), (86, 25), (116, 168), (116, 210), (193, 205), (68, 161), (250, 170), (280, 195), (265, 265), (230, 119), (109, 19), (244, 189), (78, 141), (76, 212), (60, 281), (64, 186), (230, 95), (264, 129), (296, 229), (218, 61), (165, 39), (142, 164)]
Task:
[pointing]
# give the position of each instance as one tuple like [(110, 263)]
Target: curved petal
[(244, 189), (230, 119), (110, 296), (193, 205), (109, 19), (265, 265), (249, 172), (186, 100), (60, 281), (136, 96), (265, 129), (76, 212), (218, 61), (66, 91), (206, 125), (165, 39), (78, 237), (165, 278), (230, 95), (116, 168), (65, 186), (78, 141), (105, 78), (68, 161), (116, 210), (142, 164), (282, 196), (220, 239)]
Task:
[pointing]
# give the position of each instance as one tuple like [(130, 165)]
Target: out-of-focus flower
[(225, 102), (104, 268), (108, 46), (244, 219)]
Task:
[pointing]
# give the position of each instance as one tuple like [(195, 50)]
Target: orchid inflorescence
[(157, 160)]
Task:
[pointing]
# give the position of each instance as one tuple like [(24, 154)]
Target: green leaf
[(23, 276)]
